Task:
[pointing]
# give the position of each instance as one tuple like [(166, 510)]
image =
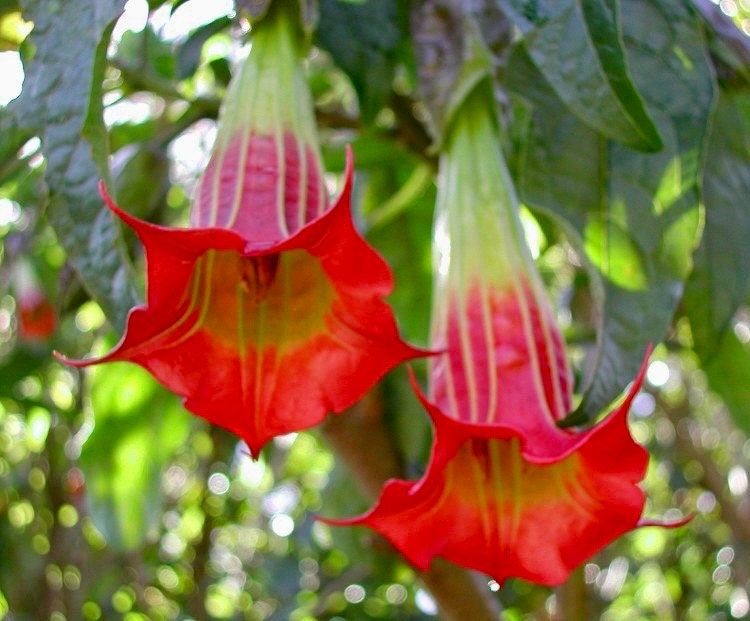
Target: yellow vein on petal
[(262, 311), (484, 507), (260, 318), (246, 136), (463, 327), (281, 176), (489, 336), (451, 389), (239, 188), (516, 469), (302, 199), (528, 330), (198, 206), (331, 334), (216, 183), (467, 357), (242, 338), (175, 327), (205, 303), (322, 190), (497, 483), (587, 497), (544, 319), (566, 483), (442, 493)]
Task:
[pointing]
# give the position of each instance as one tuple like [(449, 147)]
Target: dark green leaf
[(189, 52), (138, 427), (12, 137), (719, 283), (7, 6), (141, 180), (145, 51), (222, 70), (122, 134), (363, 40), (62, 101), (577, 46), (22, 362), (635, 215)]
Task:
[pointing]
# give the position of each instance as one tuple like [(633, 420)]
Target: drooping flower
[(269, 312), (37, 318), (506, 491)]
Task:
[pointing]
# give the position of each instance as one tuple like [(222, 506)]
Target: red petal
[(504, 360), (37, 318), (263, 187), (487, 502), (264, 339)]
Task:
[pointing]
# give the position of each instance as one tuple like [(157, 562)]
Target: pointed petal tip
[(346, 190), (357, 520), (252, 453), (73, 362), (666, 523), (412, 352), (135, 223), (254, 447), (109, 201)]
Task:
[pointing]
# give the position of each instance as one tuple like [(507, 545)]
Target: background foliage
[(628, 132)]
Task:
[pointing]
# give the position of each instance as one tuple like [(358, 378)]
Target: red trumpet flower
[(506, 491), (269, 313)]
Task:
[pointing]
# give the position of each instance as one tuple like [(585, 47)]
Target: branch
[(360, 433), (571, 598)]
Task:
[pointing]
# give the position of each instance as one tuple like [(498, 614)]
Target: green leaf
[(577, 45), (728, 373), (62, 101), (363, 40), (138, 427), (12, 137), (145, 52), (189, 52), (636, 215), (721, 278), (142, 180), (24, 360)]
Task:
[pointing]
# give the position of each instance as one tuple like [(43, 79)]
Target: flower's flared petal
[(487, 504), (264, 341)]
